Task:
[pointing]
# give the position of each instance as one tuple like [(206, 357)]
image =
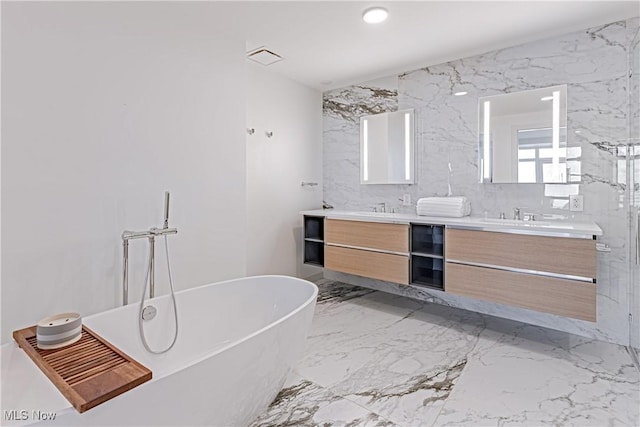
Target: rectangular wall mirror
[(523, 137), (387, 148)]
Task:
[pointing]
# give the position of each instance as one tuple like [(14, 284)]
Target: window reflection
[(632, 150), (523, 137), (538, 159)]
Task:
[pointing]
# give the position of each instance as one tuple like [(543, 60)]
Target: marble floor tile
[(303, 403), (408, 400), (377, 359), (331, 292), (345, 336), (414, 366), (525, 375)]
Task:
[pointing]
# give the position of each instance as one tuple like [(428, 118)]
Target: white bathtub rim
[(232, 343), (155, 377)]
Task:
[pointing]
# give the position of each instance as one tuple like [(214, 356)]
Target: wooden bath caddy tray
[(87, 372)]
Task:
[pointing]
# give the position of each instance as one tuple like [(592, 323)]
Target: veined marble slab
[(524, 375), (303, 403), (376, 359)]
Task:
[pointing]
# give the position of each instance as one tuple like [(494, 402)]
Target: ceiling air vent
[(264, 56)]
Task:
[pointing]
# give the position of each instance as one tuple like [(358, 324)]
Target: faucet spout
[(516, 213)]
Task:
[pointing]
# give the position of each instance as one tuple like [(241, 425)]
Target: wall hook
[(269, 134), (251, 131)]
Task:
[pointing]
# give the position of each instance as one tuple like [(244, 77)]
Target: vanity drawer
[(560, 255), (376, 265), (563, 297), (361, 234)]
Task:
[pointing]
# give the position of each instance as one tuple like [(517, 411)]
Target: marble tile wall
[(594, 65), (634, 85)]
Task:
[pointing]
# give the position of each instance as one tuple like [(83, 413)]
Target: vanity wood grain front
[(373, 235), (376, 265), (551, 271), (560, 255), (563, 297)]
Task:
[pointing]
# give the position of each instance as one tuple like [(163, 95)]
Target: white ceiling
[(327, 45)]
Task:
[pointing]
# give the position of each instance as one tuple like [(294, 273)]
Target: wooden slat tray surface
[(87, 372)]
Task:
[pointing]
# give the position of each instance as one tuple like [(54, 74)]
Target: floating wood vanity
[(547, 267), (370, 249), (551, 274)]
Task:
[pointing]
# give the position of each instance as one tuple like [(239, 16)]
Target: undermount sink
[(365, 213), (518, 222), (380, 214)]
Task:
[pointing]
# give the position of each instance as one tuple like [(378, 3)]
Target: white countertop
[(556, 228)]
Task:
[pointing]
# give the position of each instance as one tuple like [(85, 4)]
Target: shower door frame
[(632, 191), (633, 203)]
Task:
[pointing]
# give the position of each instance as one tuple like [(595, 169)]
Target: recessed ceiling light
[(460, 93), (546, 98), (375, 15)]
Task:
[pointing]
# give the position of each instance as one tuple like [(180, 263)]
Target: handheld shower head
[(166, 209)]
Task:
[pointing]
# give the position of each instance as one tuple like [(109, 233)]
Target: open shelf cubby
[(314, 240), (427, 255), (314, 228), (427, 239), (426, 271)]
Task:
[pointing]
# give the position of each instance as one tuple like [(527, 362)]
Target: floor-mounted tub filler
[(238, 340)]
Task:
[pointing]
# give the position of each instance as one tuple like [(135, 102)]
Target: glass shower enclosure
[(631, 152), (632, 192)]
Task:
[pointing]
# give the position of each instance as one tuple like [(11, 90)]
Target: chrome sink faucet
[(516, 213), (382, 206)]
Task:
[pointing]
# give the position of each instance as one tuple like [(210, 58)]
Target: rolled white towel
[(444, 206), (445, 213), (443, 201), (461, 211)]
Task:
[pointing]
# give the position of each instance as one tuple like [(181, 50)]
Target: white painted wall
[(104, 106), (276, 167)]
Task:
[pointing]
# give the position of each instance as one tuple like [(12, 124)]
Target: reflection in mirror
[(386, 148), (523, 137)]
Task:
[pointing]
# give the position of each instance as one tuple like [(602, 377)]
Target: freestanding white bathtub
[(238, 340)]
